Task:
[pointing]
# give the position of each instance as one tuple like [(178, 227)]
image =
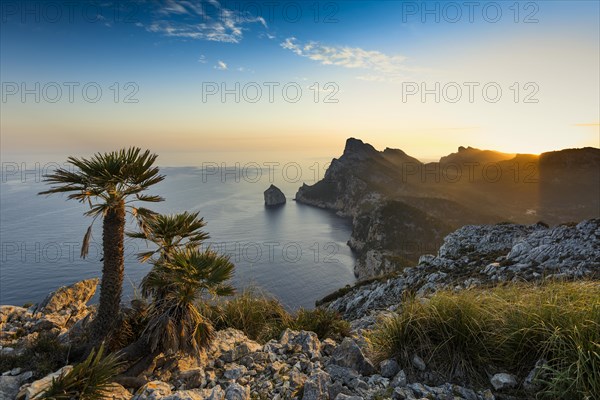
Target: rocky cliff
[(402, 208), (482, 255)]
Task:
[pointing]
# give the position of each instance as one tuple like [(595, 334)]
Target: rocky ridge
[(482, 255), (402, 208)]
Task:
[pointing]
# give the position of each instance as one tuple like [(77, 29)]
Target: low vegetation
[(471, 334), (88, 380), (43, 355), (262, 317)]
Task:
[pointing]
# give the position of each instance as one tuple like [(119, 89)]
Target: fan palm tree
[(170, 232), (109, 183), (176, 285)]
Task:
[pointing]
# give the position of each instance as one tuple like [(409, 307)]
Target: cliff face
[(402, 208)]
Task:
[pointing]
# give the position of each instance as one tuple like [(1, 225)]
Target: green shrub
[(44, 355), (462, 335), (325, 323), (258, 315), (262, 317), (88, 380)]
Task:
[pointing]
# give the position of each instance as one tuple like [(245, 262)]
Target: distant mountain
[(402, 208), (472, 155)]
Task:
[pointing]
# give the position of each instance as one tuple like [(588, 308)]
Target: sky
[(256, 80)]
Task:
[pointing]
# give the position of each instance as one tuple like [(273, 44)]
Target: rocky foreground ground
[(300, 366)]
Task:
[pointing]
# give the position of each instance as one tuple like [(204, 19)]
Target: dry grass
[(464, 335)]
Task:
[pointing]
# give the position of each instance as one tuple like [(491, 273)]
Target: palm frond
[(85, 246), (171, 232)]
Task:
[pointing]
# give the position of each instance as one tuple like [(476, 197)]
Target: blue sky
[(368, 49)]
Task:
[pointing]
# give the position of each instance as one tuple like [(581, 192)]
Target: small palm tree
[(170, 232), (109, 183), (176, 285)]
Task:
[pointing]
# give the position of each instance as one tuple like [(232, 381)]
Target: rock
[(217, 393), (240, 351), (328, 346), (503, 381), (342, 374), (6, 350), (403, 393), (418, 363), (153, 390), (388, 368), (399, 380), (231, 345), (348, 354), (234, 372), (274, 196), (193, 377), (186, 395), (307, 341), (117, 392), (315, 387), (35, 389), (343, 396), (69, 298), (531, 383), (9, 386), (12, 313), (237, 392)]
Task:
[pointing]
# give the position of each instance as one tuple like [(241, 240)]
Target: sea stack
[(274, 196)]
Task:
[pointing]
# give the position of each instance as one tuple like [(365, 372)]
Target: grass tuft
[(469, 334), (262, 317), (87, 380), (43, 355)]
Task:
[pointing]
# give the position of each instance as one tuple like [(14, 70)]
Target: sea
[(296, 253)]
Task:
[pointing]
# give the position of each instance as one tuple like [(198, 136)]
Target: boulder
[(35, 389), (307, 342), (9, 386), (69, 298), (186, 395), (349, 354), (153, 390), (274, 196), (231, 345), (315, 387), (237, 392), (418, 363), (503, 381), (64, 307), (117, 392), (388, 368)]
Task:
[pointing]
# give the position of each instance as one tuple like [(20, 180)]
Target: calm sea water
[(296, 252)]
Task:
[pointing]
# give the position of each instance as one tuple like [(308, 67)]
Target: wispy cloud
[(221, 66), (202, 59), (382, 67), (203, 20)]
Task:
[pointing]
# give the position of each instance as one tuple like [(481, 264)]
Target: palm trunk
[(113, 230)]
